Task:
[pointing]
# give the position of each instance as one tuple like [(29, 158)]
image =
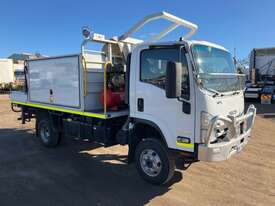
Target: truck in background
[(165, 100), (261, 83)]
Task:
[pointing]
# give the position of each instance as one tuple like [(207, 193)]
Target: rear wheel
[(153, 161), (46, 133)]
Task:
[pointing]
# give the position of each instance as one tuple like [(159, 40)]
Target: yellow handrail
[(84, 75)]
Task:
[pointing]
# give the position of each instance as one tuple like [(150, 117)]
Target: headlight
[(205, 120), (219, 131)]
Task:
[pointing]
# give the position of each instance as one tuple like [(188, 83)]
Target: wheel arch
[(147, 126), (55, 119), (138, 128)]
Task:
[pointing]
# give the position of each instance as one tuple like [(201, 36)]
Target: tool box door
[(55, 81)]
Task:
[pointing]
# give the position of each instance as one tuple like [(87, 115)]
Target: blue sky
[(54, 27)]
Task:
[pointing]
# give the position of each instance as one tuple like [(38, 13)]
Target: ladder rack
[(176, 22)]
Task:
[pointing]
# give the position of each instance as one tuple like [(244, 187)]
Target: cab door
[(174, 117)]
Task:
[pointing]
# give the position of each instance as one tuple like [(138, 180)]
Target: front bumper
[(223, 150)]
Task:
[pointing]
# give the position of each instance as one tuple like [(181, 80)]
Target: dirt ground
[(81, 173)]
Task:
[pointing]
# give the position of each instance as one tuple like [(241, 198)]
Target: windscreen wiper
[(216, 93), (236, 92)]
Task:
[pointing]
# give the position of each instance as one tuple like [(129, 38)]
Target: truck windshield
[(216, 70)]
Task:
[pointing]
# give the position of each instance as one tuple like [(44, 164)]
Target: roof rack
[(176, 21)]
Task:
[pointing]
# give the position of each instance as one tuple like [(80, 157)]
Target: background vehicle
[(6, 74), (261, 84), (164, 100), (11, 75)]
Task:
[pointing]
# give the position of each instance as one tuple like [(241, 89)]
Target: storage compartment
[(55, 81), (100, 131), (77, 129), (62, 81), (95, 82), (94, 79)]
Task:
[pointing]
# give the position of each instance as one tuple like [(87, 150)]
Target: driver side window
[(185, 86), (153, 64)]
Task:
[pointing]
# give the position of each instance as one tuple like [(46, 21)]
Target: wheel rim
[(150, 162), (45, 133)]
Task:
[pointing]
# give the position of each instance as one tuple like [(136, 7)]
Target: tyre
[(153, 161), (46, 133)]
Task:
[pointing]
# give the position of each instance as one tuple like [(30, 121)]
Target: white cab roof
[(187, 42), (206, 43)]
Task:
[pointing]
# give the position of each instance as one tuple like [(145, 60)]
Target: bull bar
[(236, 139)]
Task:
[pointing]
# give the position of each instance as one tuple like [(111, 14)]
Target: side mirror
[(173, 80)]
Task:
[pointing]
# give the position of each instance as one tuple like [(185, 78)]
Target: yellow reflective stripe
[(187, 145), (87, 114)]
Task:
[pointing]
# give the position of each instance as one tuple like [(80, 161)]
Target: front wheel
[(153, 161)]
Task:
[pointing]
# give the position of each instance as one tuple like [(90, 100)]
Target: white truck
[(164, 100), (6, 73)]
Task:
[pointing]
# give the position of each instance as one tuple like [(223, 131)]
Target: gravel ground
[(80, 173)]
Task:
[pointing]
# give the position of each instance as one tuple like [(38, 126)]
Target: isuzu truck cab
[(164, 100)]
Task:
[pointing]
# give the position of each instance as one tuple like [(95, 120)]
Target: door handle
[(51, 95), (140, 104), (186, 107)]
